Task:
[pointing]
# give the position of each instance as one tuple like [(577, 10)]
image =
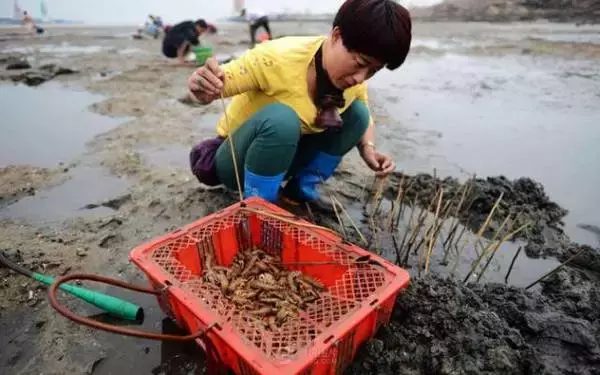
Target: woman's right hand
[(206, 83)]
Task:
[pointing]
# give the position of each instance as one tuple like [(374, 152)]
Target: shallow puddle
[(524, 271), (138, 356), (46, 125), (85, 186)]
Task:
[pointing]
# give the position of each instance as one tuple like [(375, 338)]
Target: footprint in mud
[(113, 204), (111, 240)]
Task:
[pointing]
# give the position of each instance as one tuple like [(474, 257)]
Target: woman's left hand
[(382, 164)]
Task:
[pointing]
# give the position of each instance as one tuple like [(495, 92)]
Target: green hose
[(112, 305)]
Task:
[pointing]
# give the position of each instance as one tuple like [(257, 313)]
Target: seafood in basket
[(258, 284)]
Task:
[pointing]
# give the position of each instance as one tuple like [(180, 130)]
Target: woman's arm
[(368, 139), (246, 73), (181, 51), (382, 164)]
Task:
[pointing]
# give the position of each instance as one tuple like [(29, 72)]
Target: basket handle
[(109, 327)]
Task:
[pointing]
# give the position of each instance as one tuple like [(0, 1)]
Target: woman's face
[(347, 68)]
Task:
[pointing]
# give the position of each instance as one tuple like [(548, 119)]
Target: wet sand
[(96, 162)]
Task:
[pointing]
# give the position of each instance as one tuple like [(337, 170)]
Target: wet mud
[(19, 181), (441, 326)]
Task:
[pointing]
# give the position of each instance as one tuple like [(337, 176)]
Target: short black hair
[(381, 29), (202, 23)]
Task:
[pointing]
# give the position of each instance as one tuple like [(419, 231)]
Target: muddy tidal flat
[(493, 208)]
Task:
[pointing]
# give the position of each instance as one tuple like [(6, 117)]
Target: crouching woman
[(300, 104)]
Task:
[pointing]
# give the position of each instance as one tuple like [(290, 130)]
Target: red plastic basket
[(359, 298)]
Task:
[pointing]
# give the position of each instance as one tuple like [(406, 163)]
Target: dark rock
[(18, 64), (41, 75), (56, 70), (32, 78)]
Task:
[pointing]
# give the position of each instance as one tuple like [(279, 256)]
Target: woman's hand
[(206, 83), (382, 164)]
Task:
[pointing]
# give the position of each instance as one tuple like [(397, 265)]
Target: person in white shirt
[(256, 19)]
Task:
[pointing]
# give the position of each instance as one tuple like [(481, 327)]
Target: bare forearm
[(369, 137), (181, 50)]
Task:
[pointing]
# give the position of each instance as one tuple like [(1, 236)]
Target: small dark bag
[(202, 160)]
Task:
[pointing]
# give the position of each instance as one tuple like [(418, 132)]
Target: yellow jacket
[(276, 72)]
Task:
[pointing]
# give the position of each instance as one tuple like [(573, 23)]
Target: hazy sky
[(135, 11)]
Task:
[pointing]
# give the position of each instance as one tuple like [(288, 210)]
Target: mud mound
[(583, 256), (577, 294), (18, 181), (440, 326), (19, 70), (586, 257), (522, 196)]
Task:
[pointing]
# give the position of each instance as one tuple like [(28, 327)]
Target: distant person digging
[(180, 37), (256, 19), (30, 25)]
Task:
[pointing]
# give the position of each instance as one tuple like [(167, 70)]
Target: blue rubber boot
[(303, 186), (266, 187)]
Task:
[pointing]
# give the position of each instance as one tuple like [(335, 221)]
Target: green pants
[(270, 143)]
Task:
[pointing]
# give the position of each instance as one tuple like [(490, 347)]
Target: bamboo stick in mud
[(434, 233), (560, 266), (410, 223), (510, 226), (434, 229), (494, 241), (337, 215), (379, 196), (466, 189), (482, 229), (506, 238), (404, 195), (396, 203), (415, 229), (439, 228), (369, 193), (345, 212), (420, 222), (487, 221), (512, 264), (335, 201), (374, 237), (397, 249)]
